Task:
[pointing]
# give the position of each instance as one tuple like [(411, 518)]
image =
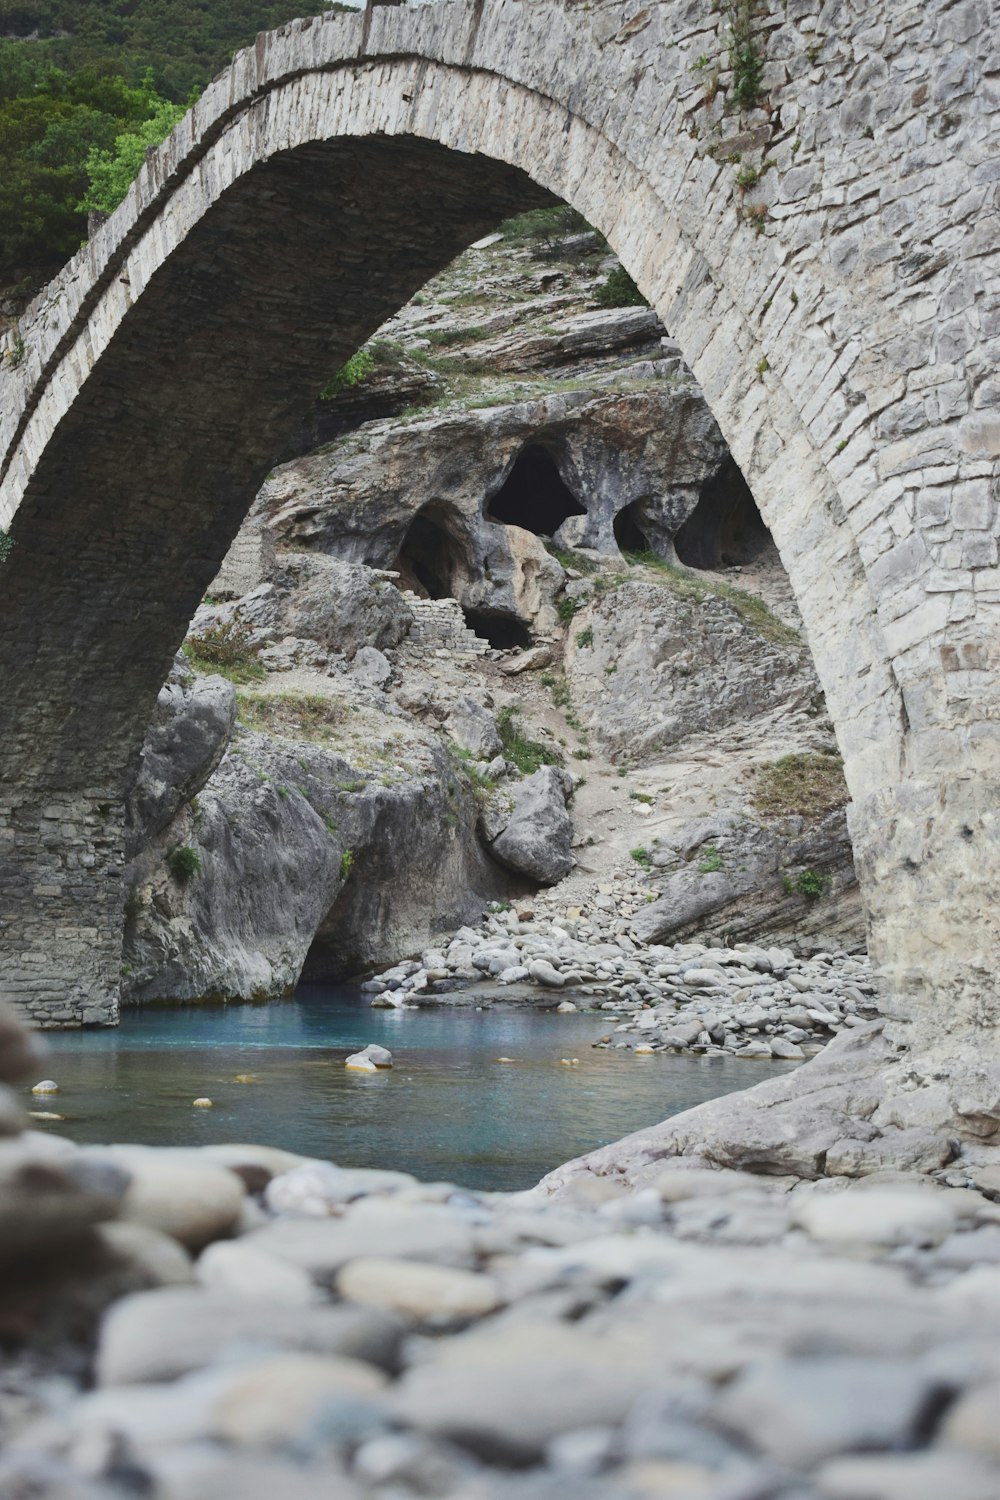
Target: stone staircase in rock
[(439, 627)]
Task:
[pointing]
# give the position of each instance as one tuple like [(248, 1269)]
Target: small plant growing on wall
[(6, 545), (183, 863), (346, 862), (807, 883)]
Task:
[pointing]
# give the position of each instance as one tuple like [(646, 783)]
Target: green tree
[(111, 172)]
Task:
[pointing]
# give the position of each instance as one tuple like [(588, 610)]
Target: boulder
[(473, 728), (537, 836), (752, 894)]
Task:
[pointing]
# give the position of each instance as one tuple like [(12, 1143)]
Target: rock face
[(296, 845), (336, 607), (652, 663), (419, 496), (191, 726), (537, 834), (736, 876)]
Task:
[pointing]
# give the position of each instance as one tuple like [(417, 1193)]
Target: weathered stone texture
[(840, 314)]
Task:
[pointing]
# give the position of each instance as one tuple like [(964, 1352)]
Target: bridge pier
[(62, 858)]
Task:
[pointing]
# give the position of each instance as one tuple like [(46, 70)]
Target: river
[(448, 1109)]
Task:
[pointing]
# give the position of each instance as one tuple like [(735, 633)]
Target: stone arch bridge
[(826, 257)]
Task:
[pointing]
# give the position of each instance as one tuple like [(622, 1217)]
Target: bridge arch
[(316, 185)]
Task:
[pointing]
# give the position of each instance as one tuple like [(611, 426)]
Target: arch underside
[(308, 215)]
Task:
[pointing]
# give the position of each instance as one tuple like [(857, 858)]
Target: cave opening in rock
[(628, 533), (428, 556), (534, 496), (725, 528), (504, 631)]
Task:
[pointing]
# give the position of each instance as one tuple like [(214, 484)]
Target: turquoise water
[(447, 1110)]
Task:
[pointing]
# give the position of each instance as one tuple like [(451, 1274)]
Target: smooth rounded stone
[(933, 1475), (48, 1194), (360, 1062), (232, 1267), (702, 979), (513, 975), (156, 1257), (875, 1216), (202, 1104), (425, 1292), (544, 973), (507, 1392), (191, 1199), (785, 1050), (802, 1410), (211, 1471), (279, 1400), (973, 1422), (319, 1188), (388, 1000), (702, 1182), (566, 1008), (256, 1165), (413, 1231), (160, 1335), (405, 1459), (47, 1086)]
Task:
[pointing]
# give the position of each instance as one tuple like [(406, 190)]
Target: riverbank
[(235, 1321), (747, 1001)]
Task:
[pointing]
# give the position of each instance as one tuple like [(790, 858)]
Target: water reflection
[(448, 1109)]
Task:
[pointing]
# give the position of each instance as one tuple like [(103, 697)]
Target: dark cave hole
[(533, 496), (725, 528), (628, 533), (427, 558), (503, 631)]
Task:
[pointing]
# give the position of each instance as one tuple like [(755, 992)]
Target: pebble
[(424, 1292), (875, 1216), (191, 1199), (161, 1335), (47, 1086)]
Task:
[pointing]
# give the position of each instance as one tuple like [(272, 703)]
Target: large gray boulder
[(743, 879), (473, 728), (299, 852), (337, 605), (537, 836), (186, 740)]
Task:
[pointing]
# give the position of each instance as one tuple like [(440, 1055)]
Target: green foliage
[(346, 863), (349, 375), (293, 716), (527, 755), (544, 226), (97, 84), (111, 172), (712, 860), (6, 545), (567, 608), (642, 857), (183, 863), (745, 57), (619, 290), (805, 786), (585, 637), (807, 883), (642, 797), (751, 610), (568, 558), (226, 649)]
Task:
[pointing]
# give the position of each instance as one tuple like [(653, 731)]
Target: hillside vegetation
[(85, 87)]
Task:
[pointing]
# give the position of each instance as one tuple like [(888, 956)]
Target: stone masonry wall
[(826, 261)]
